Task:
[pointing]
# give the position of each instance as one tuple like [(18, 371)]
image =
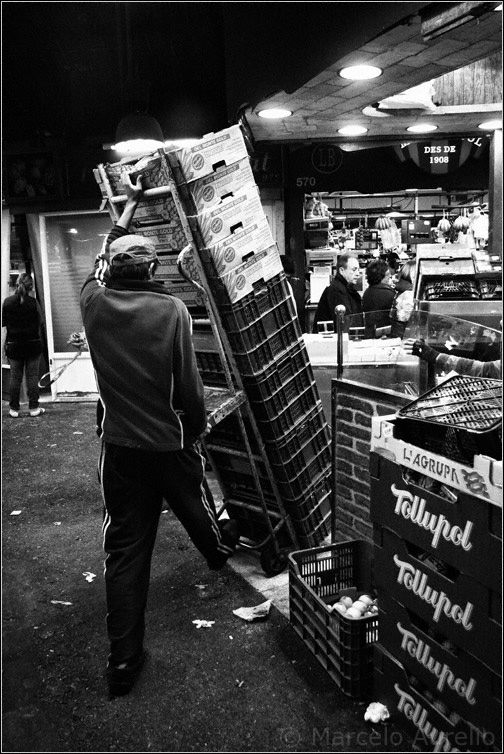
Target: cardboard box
[(153, 211), (465, 532), (232, 250), (186, 293), (482, 480), (214, 150), (168, 269), (168, 237), (153, 168), (209, 191), (461, 681), (239, 281), (232, 215), (465, 611), (425, 720)]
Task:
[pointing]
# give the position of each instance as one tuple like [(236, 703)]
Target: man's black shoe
[(122, 679), (231, 536)]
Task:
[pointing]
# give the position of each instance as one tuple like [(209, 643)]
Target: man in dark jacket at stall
[(340, 291), (140, 342)]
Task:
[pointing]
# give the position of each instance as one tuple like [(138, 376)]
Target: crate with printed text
[(481, 478), (467, 612), (425, 719), (462, 530), (467, 686), (230, 216)]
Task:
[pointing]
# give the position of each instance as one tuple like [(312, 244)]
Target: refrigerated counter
[(457, 281)]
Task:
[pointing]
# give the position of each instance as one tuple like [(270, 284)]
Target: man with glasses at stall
[(341, 291)]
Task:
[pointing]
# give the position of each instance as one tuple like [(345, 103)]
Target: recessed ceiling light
[(491, 125), (352, 130), (421, 128), (360, 72), (274, 112)]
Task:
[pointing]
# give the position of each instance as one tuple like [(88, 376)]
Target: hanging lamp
[(138, 132)]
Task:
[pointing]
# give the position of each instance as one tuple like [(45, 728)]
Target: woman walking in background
[(23, 346)]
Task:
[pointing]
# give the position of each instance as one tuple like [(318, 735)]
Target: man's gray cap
[(132, 249)]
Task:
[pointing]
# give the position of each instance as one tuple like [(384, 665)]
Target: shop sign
[(267, 166), (312, 168), (440, 156)]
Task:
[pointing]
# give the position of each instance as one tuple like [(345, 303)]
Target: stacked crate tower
[(436, 507), (245, 279)]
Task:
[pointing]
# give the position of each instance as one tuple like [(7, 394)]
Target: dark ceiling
[(73, 69)]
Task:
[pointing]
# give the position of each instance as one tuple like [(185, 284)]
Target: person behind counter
[(403, 302), (341, 291), (448, 362), (378, 296)]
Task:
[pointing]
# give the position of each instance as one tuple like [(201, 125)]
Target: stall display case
[(459, 281)]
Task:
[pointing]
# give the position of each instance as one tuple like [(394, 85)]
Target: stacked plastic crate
[(246, 278), (436, 507)]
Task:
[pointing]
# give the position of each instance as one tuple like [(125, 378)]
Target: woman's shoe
[(37, 411), (13, 413)]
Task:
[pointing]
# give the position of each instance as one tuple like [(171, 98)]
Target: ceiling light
[(352, 130), (274, 112), (491, 125), (360, 72), (138, 132), (421, 128)]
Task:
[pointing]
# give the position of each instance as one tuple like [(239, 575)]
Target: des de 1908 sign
[(441, 156), (311, 168)]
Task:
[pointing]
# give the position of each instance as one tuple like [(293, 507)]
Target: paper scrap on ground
[(89, 576), (15, 513), (203, 623), (254, 613), (376, 713), (60, 602)]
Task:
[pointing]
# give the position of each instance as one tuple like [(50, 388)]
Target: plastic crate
[(266, 296), (459, 419), (228, 434), (423, 716), (276, 417), (317, 578), (302, 506), (480, 702), (310, 434), (296, 474)]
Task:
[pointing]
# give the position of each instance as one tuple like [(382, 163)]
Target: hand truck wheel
[(272, 561)]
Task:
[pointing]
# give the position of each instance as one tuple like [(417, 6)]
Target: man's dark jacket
[(338, 292)]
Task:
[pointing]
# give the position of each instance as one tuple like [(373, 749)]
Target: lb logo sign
[(440, 156), (312, 168), (326, 158)]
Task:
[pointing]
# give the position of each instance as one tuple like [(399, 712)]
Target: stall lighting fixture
[(138, 133), (422, 128), (275, 113), (360, 72), (491, 125), (352, 130)]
